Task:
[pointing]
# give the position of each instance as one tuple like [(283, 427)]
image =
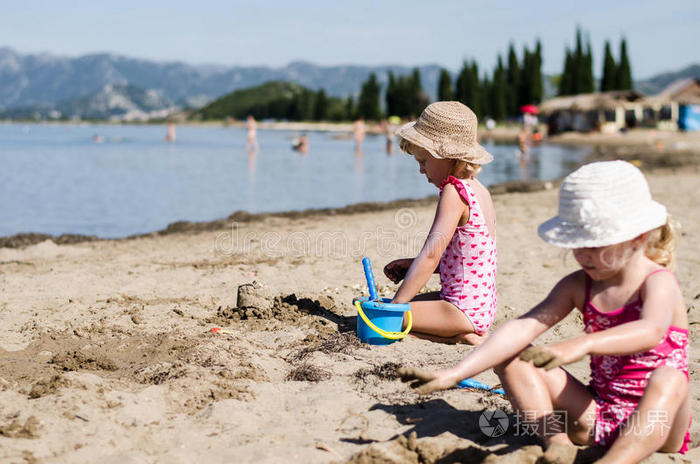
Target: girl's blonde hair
[(465, 169), (460, 169), (660, 246)]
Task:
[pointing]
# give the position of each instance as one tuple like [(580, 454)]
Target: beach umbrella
[(530, 109)]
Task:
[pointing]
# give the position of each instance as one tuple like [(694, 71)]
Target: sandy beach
[(106, 349)]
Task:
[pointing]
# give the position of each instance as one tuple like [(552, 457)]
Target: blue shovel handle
[(471, 383), (369, 275)]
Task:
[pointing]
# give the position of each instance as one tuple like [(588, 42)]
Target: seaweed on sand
[(308, 373)]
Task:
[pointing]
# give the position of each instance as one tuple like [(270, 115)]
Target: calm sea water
[(55, 179)]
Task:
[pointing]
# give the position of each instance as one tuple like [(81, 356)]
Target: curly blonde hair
[(465, 169), (660, 246)]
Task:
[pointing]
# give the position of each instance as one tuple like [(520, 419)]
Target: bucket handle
[(384, 333)]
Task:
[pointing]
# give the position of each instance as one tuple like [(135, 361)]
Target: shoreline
[(502, 134), (25, 239)]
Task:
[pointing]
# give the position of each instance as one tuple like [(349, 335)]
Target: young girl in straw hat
[(461, 245), (636, 329)]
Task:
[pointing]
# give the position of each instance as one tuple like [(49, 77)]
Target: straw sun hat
[(602, 204), (447, 129)]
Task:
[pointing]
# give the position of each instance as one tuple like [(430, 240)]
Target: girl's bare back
[(484, 198)]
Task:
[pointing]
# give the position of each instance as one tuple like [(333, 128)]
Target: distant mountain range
[(43, 82), (657, 83), (121, 102), (118, 101), (112, 86)]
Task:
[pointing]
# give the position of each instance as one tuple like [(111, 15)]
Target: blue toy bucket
[(379, 321)]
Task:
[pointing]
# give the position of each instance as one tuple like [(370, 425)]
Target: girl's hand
[(396, 270), (554, 355), (425, 382)]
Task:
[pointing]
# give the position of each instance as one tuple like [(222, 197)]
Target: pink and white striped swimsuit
[(619, 381), (468, 265)]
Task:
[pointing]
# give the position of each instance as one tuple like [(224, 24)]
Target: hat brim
[(558, 232), (475, 153)]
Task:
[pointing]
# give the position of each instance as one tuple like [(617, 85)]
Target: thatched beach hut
[(675, 107), (604, 111)]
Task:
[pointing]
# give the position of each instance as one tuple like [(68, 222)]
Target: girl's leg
[(439, 321), (660, 421), (545, 399)]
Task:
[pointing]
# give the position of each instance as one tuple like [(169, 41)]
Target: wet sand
[(106, 349)]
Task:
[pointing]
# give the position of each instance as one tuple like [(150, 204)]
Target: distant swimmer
[(97, 138), (251, 144), (170, 136), (389, 129), (301, 144), (358, 130), (524, 142)]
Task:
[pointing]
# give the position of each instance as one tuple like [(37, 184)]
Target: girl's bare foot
[(471, 338), (467, 339)]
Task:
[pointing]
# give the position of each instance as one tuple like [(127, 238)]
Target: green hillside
[(274, 100)]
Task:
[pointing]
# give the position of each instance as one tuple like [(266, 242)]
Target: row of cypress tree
[(504, 92), (497, 96), (511, 85), (577, 76), (616, 76)]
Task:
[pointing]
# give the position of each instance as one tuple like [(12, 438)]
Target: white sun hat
[(602, 204)]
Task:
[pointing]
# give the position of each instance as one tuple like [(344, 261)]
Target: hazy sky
[(661, 35)]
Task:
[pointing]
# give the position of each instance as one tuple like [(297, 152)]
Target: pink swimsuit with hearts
[(619, 381), (468, 265)]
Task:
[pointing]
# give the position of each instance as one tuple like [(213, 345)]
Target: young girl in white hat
[(461, 245), (636, 328)]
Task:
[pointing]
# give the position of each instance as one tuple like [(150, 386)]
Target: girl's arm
[(449, 210), (397, 269), (505, 342), (661, 297)]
